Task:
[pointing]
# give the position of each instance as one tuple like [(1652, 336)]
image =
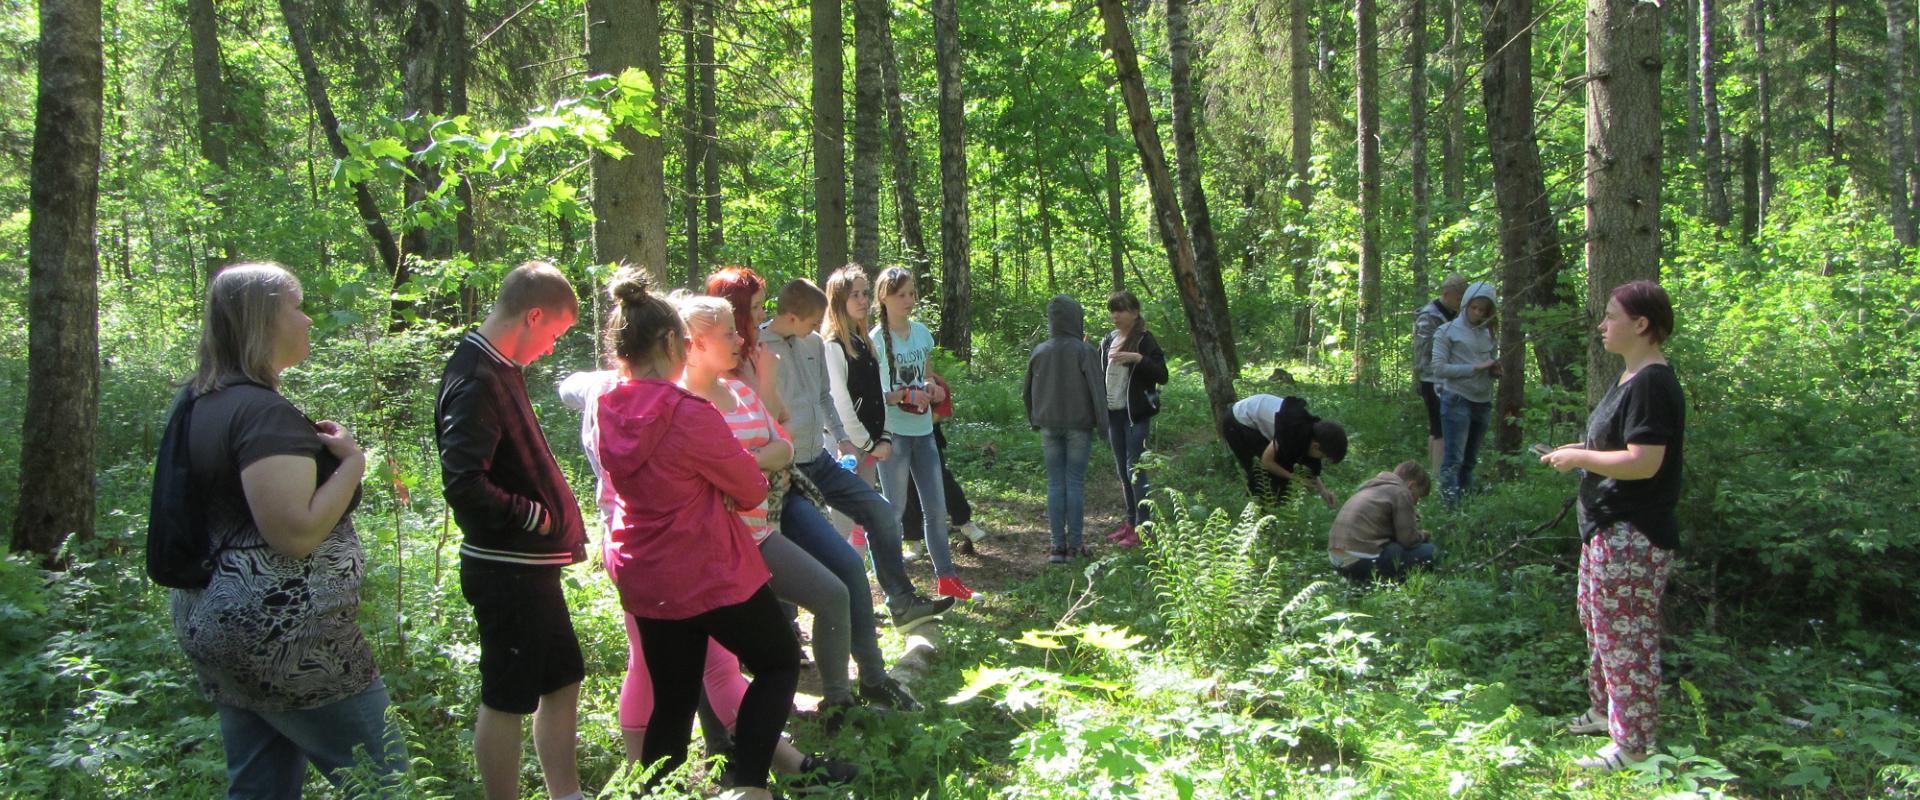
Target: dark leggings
[(676, 650), (959, 511), (1248, 445)]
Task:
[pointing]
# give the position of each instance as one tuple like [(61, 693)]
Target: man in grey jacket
[(1425, 321), (1065, 396)]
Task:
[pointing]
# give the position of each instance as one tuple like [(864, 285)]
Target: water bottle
[(849, 462)]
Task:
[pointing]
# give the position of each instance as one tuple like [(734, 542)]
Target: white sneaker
[(973, 532), (908, 553)]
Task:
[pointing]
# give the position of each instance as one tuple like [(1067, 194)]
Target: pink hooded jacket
[(678, 547)]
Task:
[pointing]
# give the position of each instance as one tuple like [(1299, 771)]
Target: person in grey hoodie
[(1064, 395), (1465, 362)]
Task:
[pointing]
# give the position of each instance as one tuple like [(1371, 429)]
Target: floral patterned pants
[(1622, 576)]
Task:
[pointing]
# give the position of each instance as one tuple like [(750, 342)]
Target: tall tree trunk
[(1749, 189), (1044, 211), (1300, 243), (1417, 130), (210, 106), (1531, 257), (63, 267), (691, 141), (1763, 87), (1453, 170), (316, 88), (1690, 56), (829, 140), (869, 106), (629, 194), (1193, 194), (913, 237), (1367, 103), (1116, 255), (1718, 210), (1215, 371), (1833, 95), (956, 280), (1899, 156), (420, 97), (1623, 161), (715, 224), (459, 67)]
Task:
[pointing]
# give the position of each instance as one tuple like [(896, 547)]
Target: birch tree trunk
[(1417, 131), (913, 237), (1193, 194), (1301, 244), (829, 140), (1711, 155), (956, 280), (1367, 104), (869, 106), (1899, 156)]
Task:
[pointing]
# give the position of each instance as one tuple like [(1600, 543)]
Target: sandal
[(1610, 759), (1588, 724)]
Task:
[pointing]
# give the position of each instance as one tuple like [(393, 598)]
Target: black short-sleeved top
[(1650, 408), (269, 632)]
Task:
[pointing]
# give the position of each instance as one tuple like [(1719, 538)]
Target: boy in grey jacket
[(1064, 396), (1465, 362)]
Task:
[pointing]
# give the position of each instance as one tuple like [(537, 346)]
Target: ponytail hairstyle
[(643, 327), (738, 285), (891, 279), (236, 325), (838, 325)]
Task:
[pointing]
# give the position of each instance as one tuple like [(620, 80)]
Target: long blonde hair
[(236, 325), (838, 324)]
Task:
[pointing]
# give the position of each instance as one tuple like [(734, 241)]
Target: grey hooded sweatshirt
[(1064, 385), (1459, 344)]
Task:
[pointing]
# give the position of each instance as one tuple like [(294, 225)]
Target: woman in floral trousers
[(1631, 458)]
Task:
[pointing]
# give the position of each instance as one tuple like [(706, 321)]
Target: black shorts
[(1429, 393), (527, 644)]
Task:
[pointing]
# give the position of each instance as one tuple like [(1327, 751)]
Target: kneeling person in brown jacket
[(1377, 532)]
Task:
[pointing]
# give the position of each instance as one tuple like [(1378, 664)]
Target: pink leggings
[(724, 683)]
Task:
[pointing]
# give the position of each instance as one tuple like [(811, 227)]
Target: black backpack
[(180, 554)]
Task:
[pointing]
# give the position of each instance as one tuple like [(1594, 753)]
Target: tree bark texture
[(1215, 371), (1301, 244), (1453, 169), (1193, 193), (710, 197), (1833, 94), (1116, 253), (421, 97), (629, 194), (1367, 105), (829, 140), (316, 88), (691, 143), (913, 237), (211, 118), (1623, 162), (1712, 158), (459, 68), (869, 106), (1417, 148), (1531, 258), (1899, 155), (63, 267), (1763, 90), (956, 279)]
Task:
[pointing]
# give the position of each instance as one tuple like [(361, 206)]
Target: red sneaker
[(952, 587), (1132, 539), (1121, 533)]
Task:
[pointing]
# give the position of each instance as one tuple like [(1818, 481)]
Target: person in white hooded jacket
[(1465, 363)]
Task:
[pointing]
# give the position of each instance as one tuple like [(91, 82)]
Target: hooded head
[(1066, 318), (1480, 290)]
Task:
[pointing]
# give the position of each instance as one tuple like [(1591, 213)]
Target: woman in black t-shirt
[(272, 635), (1632, 458)]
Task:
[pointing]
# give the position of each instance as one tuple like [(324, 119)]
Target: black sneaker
[(888, 693), (819, 772), (918, 610)]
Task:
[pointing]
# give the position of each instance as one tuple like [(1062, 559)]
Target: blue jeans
[(917, 457), (1463, 423), (1128, 440), (804, 525), (268, 751), (1067, 451), (848, 494), (1393, 563)]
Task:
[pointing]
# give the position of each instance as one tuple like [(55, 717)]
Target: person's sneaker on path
[(818, 772), (1132, 539), (917, 609), (973, 531), (888, 693), (1058, 555), (1121, 532), (951, 586)]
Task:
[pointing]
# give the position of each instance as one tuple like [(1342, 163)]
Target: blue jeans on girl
[(1463, 424), (1067, 451), (918, 459)]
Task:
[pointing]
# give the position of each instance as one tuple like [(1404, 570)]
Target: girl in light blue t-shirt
[(905, 351)]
